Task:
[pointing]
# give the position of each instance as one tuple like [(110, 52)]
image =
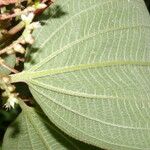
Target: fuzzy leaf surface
[(32, 130), (91, 71)]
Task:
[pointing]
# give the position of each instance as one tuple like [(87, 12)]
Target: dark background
[(148, 4), (7, 117)]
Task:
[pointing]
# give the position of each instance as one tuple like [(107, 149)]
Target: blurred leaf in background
[(6, 117)]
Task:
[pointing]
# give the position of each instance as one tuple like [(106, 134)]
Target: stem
[(5, 87), (2, 63), (12, 31), (10, 46), (18, 77), (15, 14), (17, 28)]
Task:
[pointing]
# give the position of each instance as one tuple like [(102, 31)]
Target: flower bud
[(11, 88), (27, 18), (12, 100), (29, 39), (17, 10), (23, 41), (35, 25), (6, 79), (11, 51), (41, 6), (4, 94), (19, 48)]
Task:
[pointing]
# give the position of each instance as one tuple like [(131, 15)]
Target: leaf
[(91, 73), (33, 131)]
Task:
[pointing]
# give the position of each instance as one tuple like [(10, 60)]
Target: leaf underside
[(33, 131), (91, 73)]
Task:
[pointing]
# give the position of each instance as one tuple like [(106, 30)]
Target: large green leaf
[(91, 73), (33, 131)]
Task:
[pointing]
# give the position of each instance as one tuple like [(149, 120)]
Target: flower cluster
[(5, 84), (19, 20)]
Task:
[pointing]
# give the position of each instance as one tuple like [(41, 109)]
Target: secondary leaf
[(33, 131), (91, 73)]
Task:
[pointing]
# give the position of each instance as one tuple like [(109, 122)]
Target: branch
[(2, 63)]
